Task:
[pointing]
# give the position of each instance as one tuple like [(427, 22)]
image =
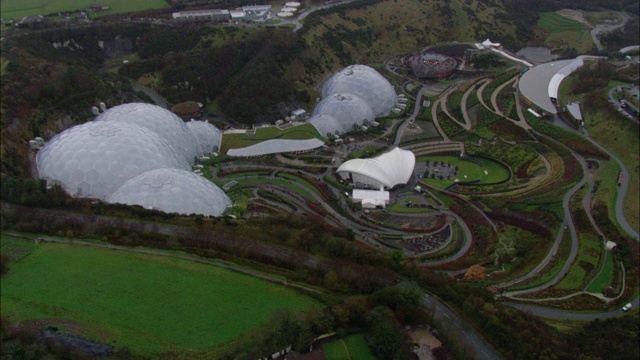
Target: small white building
[(371, 199), (610, 245), (298, 114)]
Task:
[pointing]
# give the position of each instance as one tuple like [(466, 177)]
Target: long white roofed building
[(385, 171)]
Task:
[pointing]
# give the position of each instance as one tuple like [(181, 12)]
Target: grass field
[(302, 132), (553, 22), (143, 302), (469, 171), (565, 32), (588, 257), (19, 8), (604, 278), (354, 347)]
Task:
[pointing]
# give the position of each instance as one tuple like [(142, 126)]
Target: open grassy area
[(619, 135), (19, 8), (553, 22), (302, 132), (565, 32), (14, 248), (143, 302), (469, 171), (586, 262), (604, 278), (351, 347)]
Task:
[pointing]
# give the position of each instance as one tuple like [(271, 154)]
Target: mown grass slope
[(142, 302), (19, 8)]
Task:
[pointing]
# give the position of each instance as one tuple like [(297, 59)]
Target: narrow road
[(152, 94), (456, 327), (567, 222), (412, 117), (434, 116), (553, 313), (463, 107)]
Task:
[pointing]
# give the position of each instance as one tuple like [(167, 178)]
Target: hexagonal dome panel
[(161, 121), (365, 82), (347, 109), (209, 137), (173, 191), (95, 158), (326, 124)]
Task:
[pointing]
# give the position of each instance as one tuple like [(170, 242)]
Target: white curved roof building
[(173, 191), (347, 109), (365, 82), (93, 159), (208, 137), (387, 170), (161, 121)]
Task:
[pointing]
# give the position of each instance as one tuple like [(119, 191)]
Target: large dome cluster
[(352, 95), (161, 121), (94, 159)]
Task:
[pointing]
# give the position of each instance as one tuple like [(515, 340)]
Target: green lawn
[(143, 302), (588, 255), (14, 248), (468, 171), (356, 345), (20, 8), (604, 278), (553, 22)]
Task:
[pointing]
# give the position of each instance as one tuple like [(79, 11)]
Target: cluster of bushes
[(577, 143), (277, 198), (318, 186)]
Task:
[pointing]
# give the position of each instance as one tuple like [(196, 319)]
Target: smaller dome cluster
[(351, 96), (98, 158)]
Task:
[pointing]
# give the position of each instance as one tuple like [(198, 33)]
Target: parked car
[(627, 307)]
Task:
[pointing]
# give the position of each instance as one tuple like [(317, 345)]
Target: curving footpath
[(567, 222)]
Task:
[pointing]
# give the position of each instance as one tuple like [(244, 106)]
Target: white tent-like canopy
[(387, 170)]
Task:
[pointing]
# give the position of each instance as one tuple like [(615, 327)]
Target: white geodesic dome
[(161, 121), (326, 124), (208, 136), (347, 109), (365, 82), (173, 191), (93, 159)]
